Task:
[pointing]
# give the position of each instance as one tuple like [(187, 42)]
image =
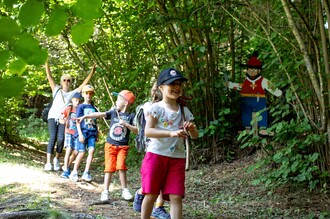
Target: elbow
[(147, 133)]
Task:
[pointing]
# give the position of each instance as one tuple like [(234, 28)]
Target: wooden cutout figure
[(253, 96)]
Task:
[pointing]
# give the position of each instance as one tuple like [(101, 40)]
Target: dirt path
[(212, 191), (31, 187)]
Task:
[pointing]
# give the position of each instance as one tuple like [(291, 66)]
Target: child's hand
[(80, 119), (122, 122), (81, 138), (188, 126), (179, 133)]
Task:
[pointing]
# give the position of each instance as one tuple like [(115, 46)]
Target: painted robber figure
[(253, 94)]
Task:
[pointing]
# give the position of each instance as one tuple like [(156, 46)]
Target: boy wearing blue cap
[(87, 133), (69, 119)]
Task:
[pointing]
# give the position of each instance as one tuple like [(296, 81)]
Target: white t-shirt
[(61, 100), (171, 121)]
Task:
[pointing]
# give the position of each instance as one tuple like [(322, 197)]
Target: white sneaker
[(74, 176), (87, 177), (126, 194), (104, 196), (48, 167), (57, 165)]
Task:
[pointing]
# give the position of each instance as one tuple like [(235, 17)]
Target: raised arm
[(266, 84), (92, 115), (49, 76), (87, 78)]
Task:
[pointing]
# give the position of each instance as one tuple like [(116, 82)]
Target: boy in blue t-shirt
[(116, 148), (86, 133)]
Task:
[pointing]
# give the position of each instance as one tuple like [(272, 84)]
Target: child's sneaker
[(86, 176), (104, 196), (48, 167), (160, 213), (65, 174), (56, 162), (137, 203), (126, 194), (74, 176)]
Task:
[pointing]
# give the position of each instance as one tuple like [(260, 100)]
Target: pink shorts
[(161, 173)]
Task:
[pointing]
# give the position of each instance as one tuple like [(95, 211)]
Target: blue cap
[(77, 95), (167, 76)]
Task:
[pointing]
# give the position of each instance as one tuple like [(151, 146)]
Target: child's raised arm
[(92, 115)]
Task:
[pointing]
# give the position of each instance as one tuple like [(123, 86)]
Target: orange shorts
[(115, 157)]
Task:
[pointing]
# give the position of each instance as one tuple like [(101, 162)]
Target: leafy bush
[(33, 127), (289, 155)]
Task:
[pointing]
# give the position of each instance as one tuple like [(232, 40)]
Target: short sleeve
[(108, 114), (188, 115), (154, 110)]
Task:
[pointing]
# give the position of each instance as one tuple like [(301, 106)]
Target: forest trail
[(212, 191), (31, 186)]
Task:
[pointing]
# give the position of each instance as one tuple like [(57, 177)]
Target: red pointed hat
[(254, 62)]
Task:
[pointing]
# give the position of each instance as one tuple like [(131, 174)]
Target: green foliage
[(9, 29), (82, 31), (10, 108), (17, 66), (89, 10), (39, 127), (56, 22), (28, 48), (290, 156), (8, 87), (30, 13), (4, 57), (220, 126)]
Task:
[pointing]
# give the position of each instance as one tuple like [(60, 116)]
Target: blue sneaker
[(66, 174), (137, 203), (160, 213)]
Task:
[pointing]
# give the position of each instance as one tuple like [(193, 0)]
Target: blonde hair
[(66, 76)]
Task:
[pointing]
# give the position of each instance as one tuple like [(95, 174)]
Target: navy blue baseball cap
[(77, 95), (168, 75)]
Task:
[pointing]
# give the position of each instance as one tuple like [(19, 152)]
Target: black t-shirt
[(119, 134)]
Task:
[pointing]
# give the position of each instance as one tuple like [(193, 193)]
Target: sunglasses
[(68, 80)]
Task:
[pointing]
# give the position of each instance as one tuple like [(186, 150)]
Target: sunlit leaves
[(11, 87), (87, 9), (4, 57), (81, 32), (28, 48), (57, 22), (17, 66), (31, 12), (8, 29), (9, 3)]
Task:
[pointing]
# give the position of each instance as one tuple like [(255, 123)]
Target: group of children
[(163, 167)]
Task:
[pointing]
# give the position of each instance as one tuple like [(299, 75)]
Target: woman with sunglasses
[(62, 95)]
